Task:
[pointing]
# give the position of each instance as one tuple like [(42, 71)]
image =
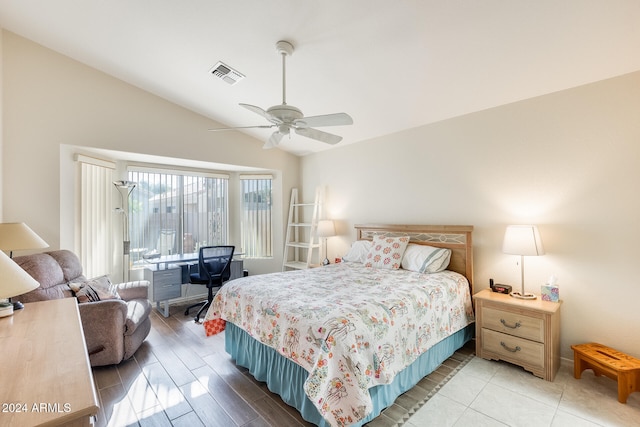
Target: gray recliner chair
[(113, 328)]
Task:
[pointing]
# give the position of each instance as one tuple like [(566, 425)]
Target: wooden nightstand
[(522, 332)]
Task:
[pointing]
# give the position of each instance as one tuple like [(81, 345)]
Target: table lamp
[(17, 236), (326, 229), (13, 281), (523, 240)]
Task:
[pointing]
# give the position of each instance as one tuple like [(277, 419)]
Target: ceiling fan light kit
[(285, 117)]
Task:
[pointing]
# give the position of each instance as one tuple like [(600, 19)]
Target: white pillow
[(386, 252), (358, 251), (425, 259)]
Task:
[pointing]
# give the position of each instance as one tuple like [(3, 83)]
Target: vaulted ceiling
[(391, 65)]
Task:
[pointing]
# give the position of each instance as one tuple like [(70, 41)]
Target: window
[(175, 212), (96, 216), (256, 216)]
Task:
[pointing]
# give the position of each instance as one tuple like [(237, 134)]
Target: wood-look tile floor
[(179, 377)]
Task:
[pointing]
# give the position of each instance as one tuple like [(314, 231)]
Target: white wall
[(52, 103), (1, 127), (568, 162)]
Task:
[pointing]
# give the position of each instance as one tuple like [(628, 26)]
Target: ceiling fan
[(286, 117)]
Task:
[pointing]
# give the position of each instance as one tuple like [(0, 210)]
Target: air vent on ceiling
[(226, 73)]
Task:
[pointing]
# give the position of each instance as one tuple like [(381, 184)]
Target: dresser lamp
[(17, 236), (13, 281), (523, 240), (326, 229)]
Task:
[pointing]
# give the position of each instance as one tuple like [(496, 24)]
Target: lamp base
[(6, 309), (523, 296)]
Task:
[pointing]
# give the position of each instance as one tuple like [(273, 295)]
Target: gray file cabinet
[(166, 284)]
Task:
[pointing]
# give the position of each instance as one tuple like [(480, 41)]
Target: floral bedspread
[(351, 327)]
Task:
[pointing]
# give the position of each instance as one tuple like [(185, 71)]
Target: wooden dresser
[(46, 376), (522, 332)]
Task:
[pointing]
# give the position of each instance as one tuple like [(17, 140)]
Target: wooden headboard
[(454, 237)]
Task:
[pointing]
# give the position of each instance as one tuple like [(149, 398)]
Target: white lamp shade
[(522, 240), (13, 279), (326, 228), (17, 236)]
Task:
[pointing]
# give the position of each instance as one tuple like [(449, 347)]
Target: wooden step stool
[(608, 362)]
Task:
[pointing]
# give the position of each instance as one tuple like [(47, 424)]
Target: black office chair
[(214, 268)]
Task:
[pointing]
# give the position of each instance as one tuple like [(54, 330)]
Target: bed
[(340, 343)]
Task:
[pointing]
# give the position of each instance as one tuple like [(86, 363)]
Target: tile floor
[(488, 393)]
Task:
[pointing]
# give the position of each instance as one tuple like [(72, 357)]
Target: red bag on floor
[(215, 326)]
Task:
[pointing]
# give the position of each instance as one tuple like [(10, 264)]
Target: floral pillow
[(386, 252), (97, 289)]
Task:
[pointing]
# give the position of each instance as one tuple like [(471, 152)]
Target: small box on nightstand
[(550, 293)]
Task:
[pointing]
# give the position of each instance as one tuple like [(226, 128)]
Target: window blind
[(256, 227), (173, 213), (96, 216)]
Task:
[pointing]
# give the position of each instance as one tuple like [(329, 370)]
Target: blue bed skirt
[(286, 378)]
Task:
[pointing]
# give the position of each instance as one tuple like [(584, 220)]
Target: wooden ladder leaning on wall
[(301, 237)]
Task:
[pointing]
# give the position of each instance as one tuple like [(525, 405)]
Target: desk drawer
[(528, 327), (163, 292), (513, 349), (165, 284), (171, 275)]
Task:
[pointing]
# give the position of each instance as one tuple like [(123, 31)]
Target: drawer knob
[(514, 326), (511, 349)]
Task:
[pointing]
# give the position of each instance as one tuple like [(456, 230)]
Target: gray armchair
[(113, 328)]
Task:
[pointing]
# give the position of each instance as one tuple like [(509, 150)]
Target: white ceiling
[(391, 65)]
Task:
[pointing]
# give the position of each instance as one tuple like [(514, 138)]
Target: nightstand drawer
[(513, 349), (528, 327)]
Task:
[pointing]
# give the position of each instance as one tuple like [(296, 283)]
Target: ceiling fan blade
[(319, 135), (274, 140), (337, 119), (243, 127), (256, 110), (262, 113)]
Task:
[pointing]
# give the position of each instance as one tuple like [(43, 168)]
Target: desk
[(179, 259), (165, 260), (46, 377), (165, 276)]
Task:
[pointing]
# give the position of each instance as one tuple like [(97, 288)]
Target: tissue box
[(550, 293)]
